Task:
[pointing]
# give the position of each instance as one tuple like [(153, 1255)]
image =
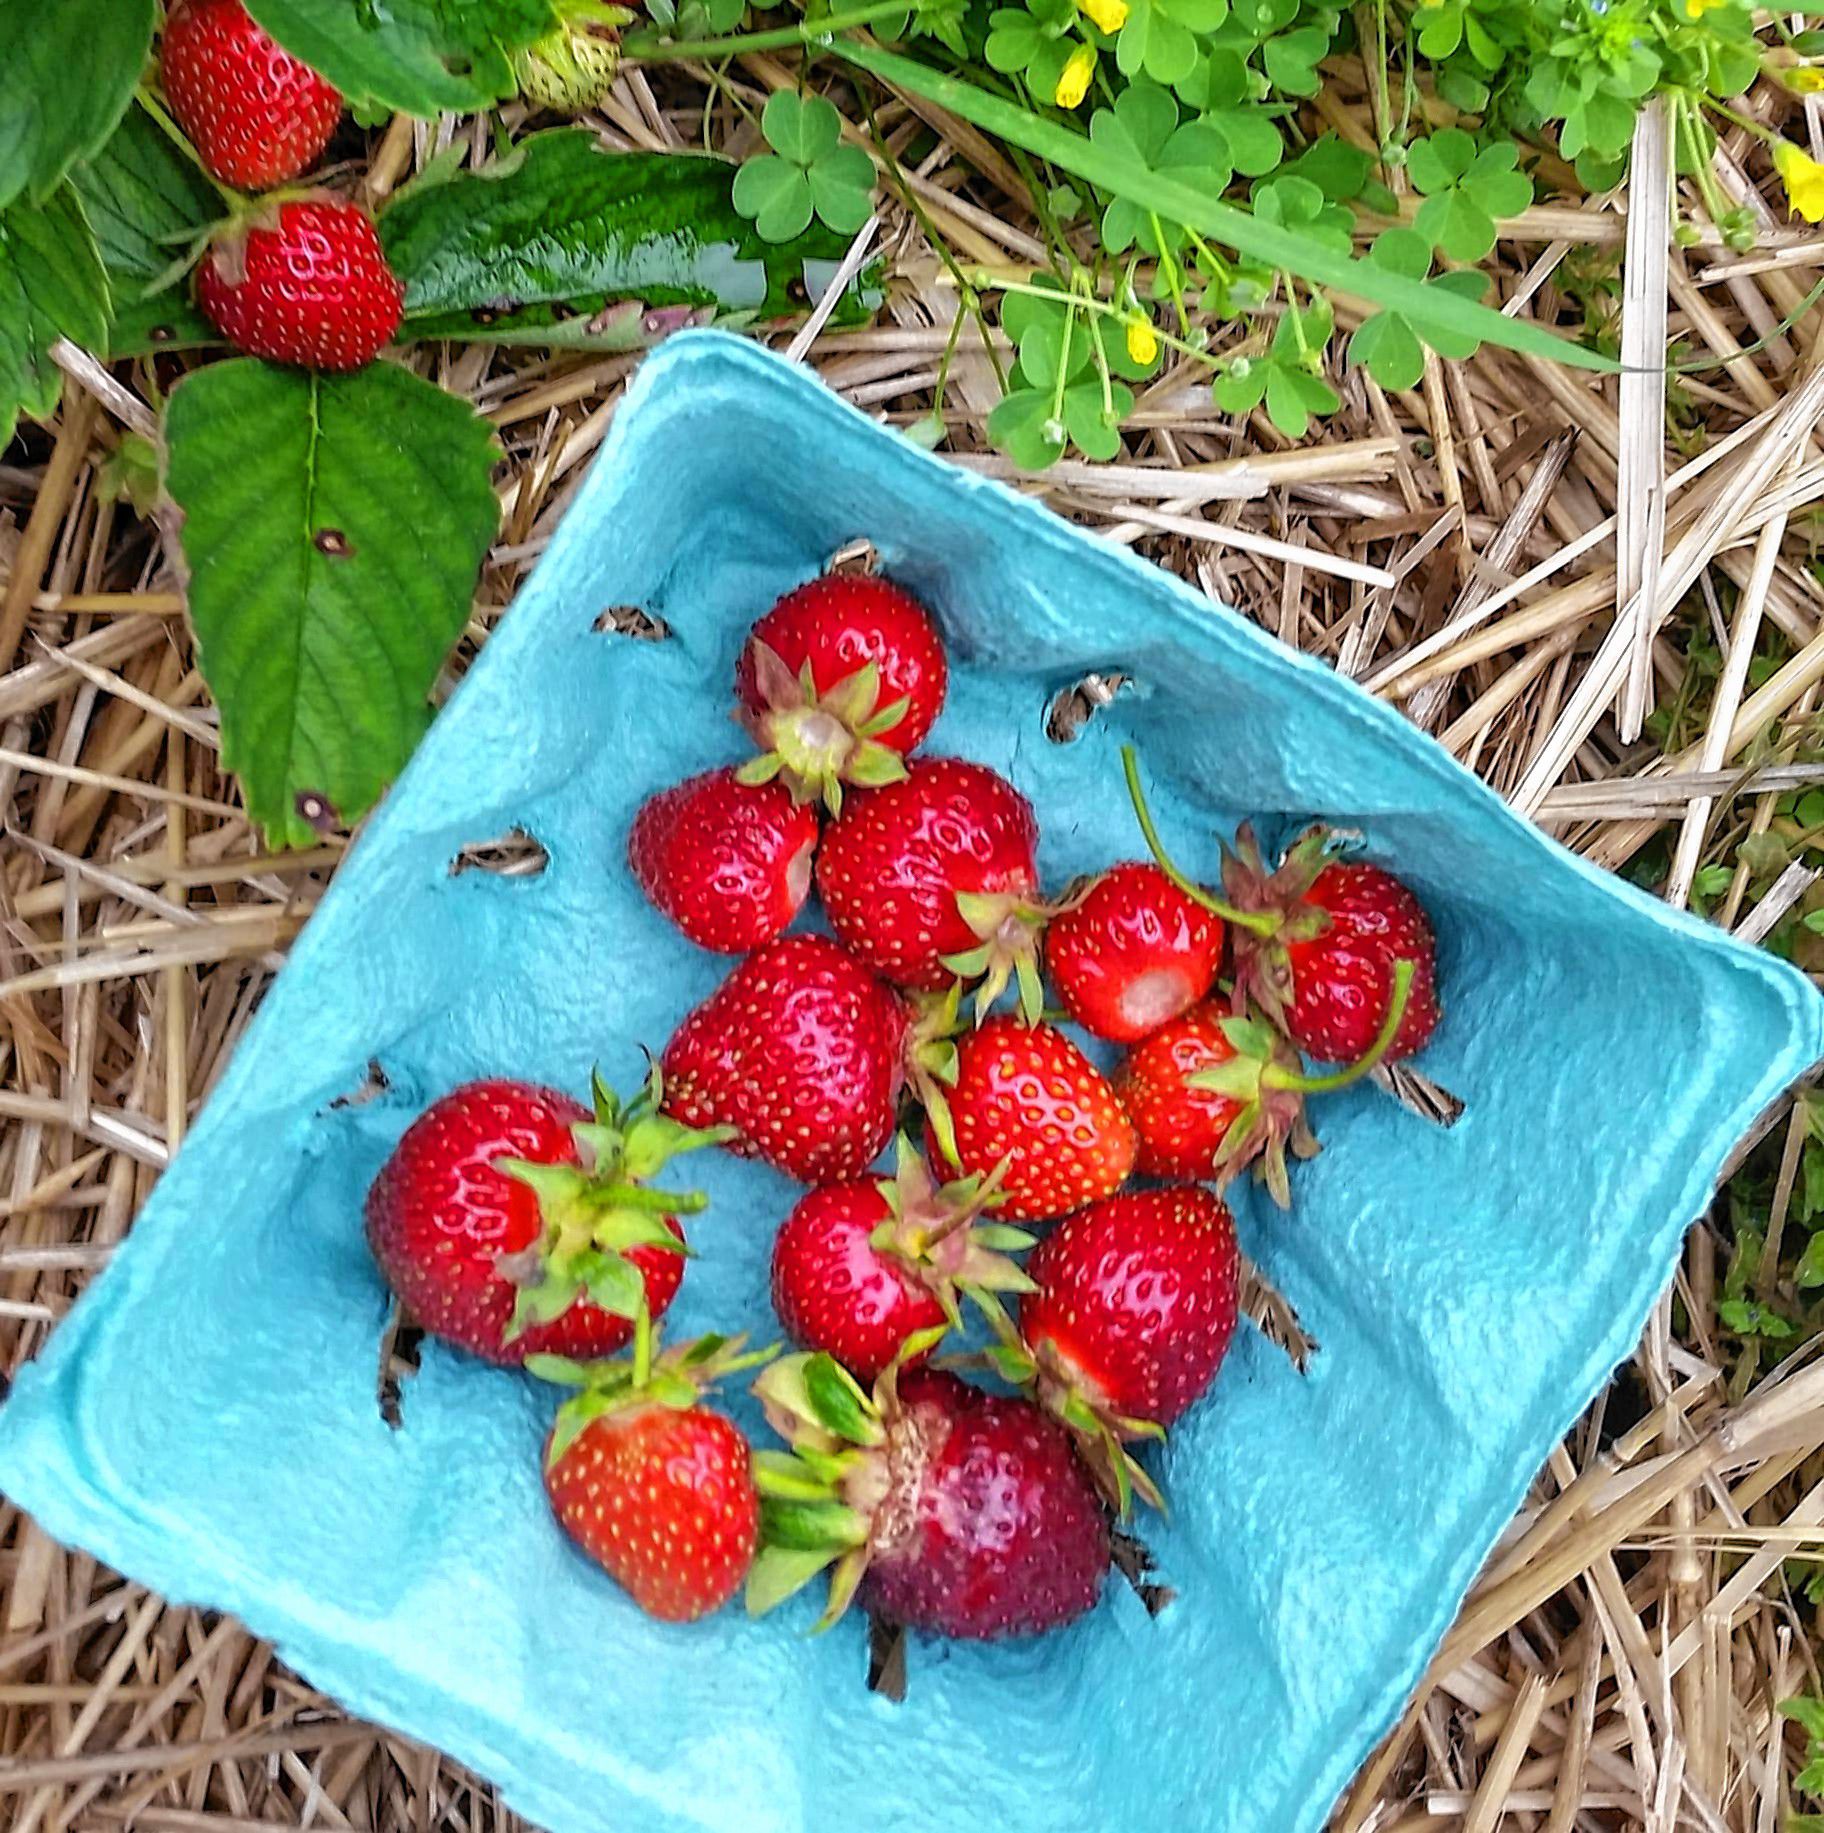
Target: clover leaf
[(1286, 377), (1297, 203), (1389, 345), (1160, 36), (810, 172), (1465, 189), (1018, 36)]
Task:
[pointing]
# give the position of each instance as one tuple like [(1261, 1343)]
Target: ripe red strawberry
[(952, 1510), (859, 1268), (798, 1051), (306, 283), (1135, 1301), (934, 877), (254, 113), (1026, 1094), (838, 682), (511, 1220), (729, 862), (654, 1487), (1324, 971), (1131, 953)]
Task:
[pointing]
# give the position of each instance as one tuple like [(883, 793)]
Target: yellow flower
[(1073, 82), (1803, 178), (1696, 9), (1803, 79), (1142, 340), (1106, 15)]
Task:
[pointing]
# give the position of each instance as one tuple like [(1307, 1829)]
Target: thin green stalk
[(1257, 920), (650, 47), (1383, 1041)]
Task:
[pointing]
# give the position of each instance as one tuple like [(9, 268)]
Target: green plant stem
[(1383, 1040), (1093, 305), (651, 47), (1257, 920), (642, 1343)]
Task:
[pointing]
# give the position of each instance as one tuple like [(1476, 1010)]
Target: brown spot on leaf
[(333, 542), (318, 811)]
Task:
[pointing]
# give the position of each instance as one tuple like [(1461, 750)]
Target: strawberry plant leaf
[(563, 242), (416, 56), (1176, 201), (67, 73), (143, 198), (52, 285), (333, 528)]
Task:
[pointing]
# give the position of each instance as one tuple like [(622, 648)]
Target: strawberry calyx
[(930, 1060), (845, 1485), (1059, 1384), (815, 742), (1009, 928), (596, 1212), (1263, 963), (934, 1231), (678, 1378)]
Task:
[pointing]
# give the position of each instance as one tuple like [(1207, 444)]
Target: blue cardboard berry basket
[(206, 1419)]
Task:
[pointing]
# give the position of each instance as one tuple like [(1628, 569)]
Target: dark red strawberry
[(951, 1510), (1324, 970), (1027, 1095), (305, 282), (656, 1488), (859, 1268), (254, 113), (511, 1220), (799, 1053), (933, 879), (1132, 952), (729, 862), (838, 682)]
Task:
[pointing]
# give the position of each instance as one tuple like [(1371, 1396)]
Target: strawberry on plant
[(1324, 968), (572, 68), (254, 113), (512, 1220), (933, 878), (304, 281), (949, 1509), (729, 862), (1133, 1306), (798, 1054), (838, 682), (655, 1487), (860, 1268), (1026, 1095), (1132, 952)]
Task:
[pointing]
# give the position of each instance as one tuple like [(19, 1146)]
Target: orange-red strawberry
[(838, 682), (510, 1220), (1134, 1306), (306, 282), (729, 862), (799, 1053), (859, 1268), (656, 1488), (254, 113), (934, 878), (951, 1510), (1324, 969), (1132, 952), (1027, 1095)]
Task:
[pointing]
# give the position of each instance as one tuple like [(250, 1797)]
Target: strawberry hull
[(205, 1419)]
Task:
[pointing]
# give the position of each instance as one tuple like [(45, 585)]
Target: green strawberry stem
[(1259, 921), (652, 47), (1353, 1072), (642, 1343)]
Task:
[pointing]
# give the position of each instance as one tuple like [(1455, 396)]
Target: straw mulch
[(1618, 1664)]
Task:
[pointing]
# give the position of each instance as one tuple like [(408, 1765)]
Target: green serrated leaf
[(67, 73), (145, 200), (52, 284), (334, 526), (420, 57), (562, 227)]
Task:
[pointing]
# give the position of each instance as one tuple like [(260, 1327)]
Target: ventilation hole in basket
[(858, 557), (1071, 711), (887, 1660), (1418, 1094), (514, 855), (399, 1346), (371, 1087), (1133, 1559), (1269, 1308), (630, 620)]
